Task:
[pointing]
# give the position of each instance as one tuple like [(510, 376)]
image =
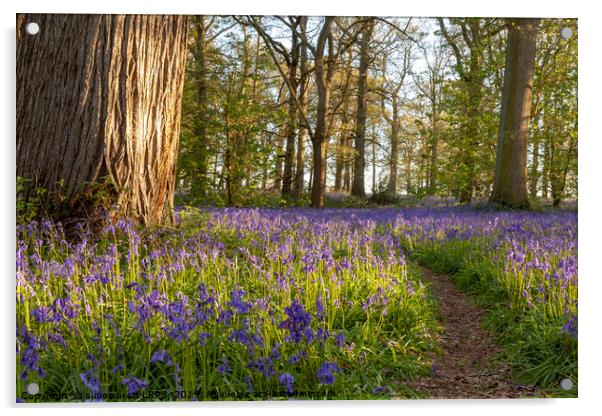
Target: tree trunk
[(510, 184), (201, 130), (100, 96), (279, 160), (358, 188), (339, 161), (323, 75), (319, 147), (300, 171), (394, 157), (434, 143), (289, 155), (534, 173), (374, 181)]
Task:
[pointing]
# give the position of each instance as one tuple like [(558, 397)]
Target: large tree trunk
[(510, 184), (358, 188), (100, 96)]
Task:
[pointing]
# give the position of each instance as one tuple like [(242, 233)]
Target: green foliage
[(28, 206)]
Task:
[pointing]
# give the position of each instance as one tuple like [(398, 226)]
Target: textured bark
[(358, 188), (510, 184), (100, 95)]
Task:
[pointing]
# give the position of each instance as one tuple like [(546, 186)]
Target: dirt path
[(466, 369)]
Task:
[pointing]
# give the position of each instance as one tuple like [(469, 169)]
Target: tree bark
[(100, 96), (358, 187), (510, 184)]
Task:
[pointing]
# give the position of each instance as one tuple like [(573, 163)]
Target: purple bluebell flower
[(42, 314), (297, 321), (326, 372), (224, 368), (91, 381), (287, 381), (133, 384)]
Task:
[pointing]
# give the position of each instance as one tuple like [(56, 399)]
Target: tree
[(430, 89), (510, 183), (469, 55), (303, 129), (358, 187), (100, 96)]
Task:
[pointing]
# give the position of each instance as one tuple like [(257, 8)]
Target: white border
[(590, 152)]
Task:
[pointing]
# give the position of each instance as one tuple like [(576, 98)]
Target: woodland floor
[(467, 368)]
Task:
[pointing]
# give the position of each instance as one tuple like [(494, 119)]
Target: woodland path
[(467, 368)]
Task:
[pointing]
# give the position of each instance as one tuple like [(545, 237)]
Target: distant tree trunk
[(342, 152), (374, 181), (300, 172), (291, 132), (200, 56), (347, 168), (278, 166), (323, 74), (434, 144), (510, 184), (264, 166), (100, 96), (358, 188), (319, 147), (408, 169), (339, 161), (534, 173), (394, 157), (559, 191)]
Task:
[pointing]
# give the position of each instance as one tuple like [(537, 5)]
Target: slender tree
[(358, 187), (303, 128)]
